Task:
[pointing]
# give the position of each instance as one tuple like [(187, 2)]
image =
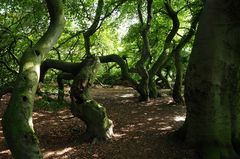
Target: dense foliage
[(117, 32)]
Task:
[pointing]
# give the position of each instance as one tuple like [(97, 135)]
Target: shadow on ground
[(141, 129)]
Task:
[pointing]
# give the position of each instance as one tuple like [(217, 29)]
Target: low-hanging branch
[(74, 68), (123, 65), (67, 67)]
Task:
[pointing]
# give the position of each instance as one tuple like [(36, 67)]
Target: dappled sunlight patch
[(140, 124), (58, 153), (118, 135), (140, 129), (128, 128), (170, 100), (126, 101), (162, 123), (127, 95), (134, 112), (5, 154), (64, 115), (179, 118), (154, 118), (165, 128), (1, 135), (37, 115)]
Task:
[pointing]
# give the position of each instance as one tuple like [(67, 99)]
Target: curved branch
[(93, 28), (122, 64), (166, 49), (17, 120), (67, 67), (57, 21), (74, 68)]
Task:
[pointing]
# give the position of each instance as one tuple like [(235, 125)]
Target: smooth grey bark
[(212, 83), (17, 120)]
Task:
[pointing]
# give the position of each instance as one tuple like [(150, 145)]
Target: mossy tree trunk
[(83, 106), (94, 115), (17, 120), (212, 83)]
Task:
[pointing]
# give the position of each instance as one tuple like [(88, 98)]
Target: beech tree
[(212, 83), (17, 120), (83, 106)]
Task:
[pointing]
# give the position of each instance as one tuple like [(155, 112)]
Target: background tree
[(82, 105), (117, 31)]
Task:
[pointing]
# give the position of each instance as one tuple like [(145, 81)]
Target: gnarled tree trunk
[(83, 106), (212, 83), (17, 120), (94, 115)]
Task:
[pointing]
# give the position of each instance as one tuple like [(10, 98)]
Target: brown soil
[(141, 129)]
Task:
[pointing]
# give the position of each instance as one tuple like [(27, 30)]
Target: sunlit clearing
[(179, 118), (58, 152), (127, 95), (165, 128)]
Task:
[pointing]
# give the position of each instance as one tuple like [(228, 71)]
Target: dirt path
[(141, 129)]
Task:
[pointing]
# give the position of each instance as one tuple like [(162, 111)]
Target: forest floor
[(141, 129)]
